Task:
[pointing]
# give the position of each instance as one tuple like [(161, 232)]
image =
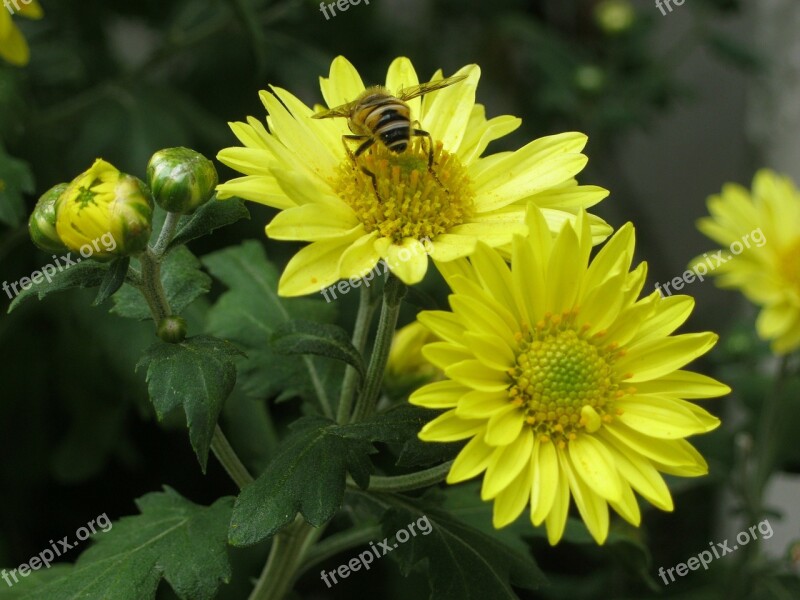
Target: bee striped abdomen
[(390, 123)]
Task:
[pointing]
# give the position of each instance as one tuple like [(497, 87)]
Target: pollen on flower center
[(411, 202), (564, 379)]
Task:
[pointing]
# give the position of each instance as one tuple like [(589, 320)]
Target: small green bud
[(105, 213), (181, 179), (589, 78), (42, 222), (172, 329)]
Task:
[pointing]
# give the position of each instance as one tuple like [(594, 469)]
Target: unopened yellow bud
[(105, 213)]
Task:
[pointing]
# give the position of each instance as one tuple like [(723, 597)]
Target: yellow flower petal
[(506, 464), (440, 394), (472, 460), (450, 428)]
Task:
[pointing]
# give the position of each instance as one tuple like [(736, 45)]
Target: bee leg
[(425, 134), (368, 142)]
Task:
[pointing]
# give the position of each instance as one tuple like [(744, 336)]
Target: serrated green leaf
[(115, 277), (171, 539), (15, 180), (307, 475), (212, 215), (183, 283), (320, 339), (197, 374), (395, 425), (250, 312), (81, 274), (463, 563)]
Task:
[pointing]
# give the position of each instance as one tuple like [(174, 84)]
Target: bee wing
[(425, 88), (343, 110)]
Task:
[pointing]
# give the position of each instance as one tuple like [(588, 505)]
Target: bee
[(378, 116)]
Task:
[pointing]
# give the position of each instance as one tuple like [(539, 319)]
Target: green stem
[(151, 287), (770, 431), (166, 234), (230, 461), (393, 293), (153, 291), (366, 308), (289, 547), (338, 543), (410, 481)]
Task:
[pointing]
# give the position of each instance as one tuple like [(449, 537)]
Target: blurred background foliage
[(123, 78)]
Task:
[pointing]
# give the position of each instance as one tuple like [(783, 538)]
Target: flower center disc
[(564, 380), (789, 264), (410, 203)]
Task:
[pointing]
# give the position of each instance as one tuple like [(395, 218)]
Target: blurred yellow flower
[(405, 356), (767, 268), (13, 47), (565, 384), (300, 166)]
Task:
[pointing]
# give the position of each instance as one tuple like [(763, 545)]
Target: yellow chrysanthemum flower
[(760, 234), (565, 384), (302, 167), (13, 47)]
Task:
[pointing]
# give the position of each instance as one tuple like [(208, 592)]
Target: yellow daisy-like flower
[(565, 384), (760, 233), (13, 47), (301, 166)]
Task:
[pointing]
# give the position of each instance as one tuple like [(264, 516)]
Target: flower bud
[(172, 329), (590, 79), (614, 16), (181, 179), (42, 222), (104, 213), (406, 367)]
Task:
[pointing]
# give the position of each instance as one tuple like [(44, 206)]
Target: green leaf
[(307, 475), (15, 180), (463, 562), (113, 280), (171, 539), (197, 374), (395, 425), (250, 312), (306, 337), (730, 49), (183, 283), (212, 215), (81, 274)]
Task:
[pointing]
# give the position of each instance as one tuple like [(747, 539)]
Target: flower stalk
[(393, 292)]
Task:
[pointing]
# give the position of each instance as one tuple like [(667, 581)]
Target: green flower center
[(410, 202), (564, 379)]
